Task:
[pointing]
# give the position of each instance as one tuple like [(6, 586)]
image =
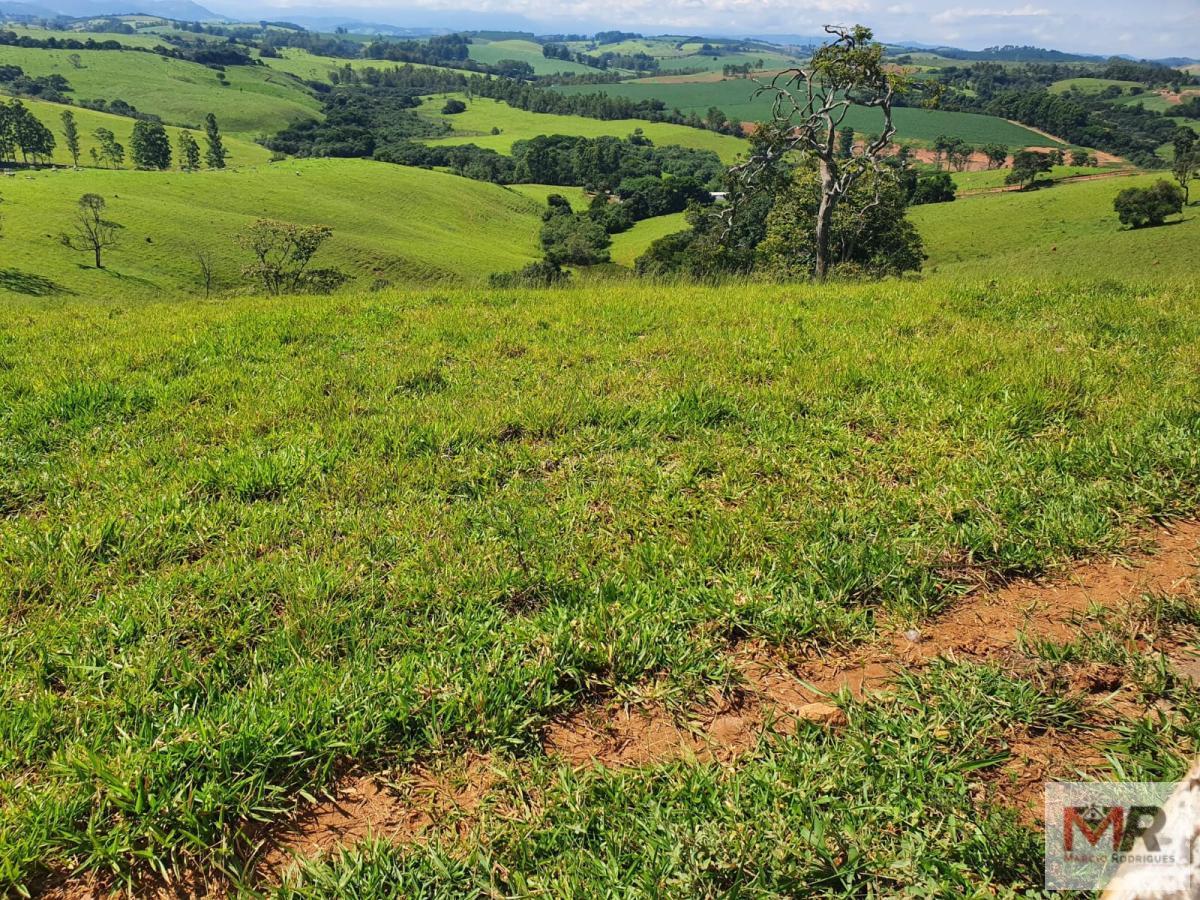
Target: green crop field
[(1066, 231), (257, 101), (251, 546), (241, 152), (733, 96), (390, 222), (522, 51), (483, 114)]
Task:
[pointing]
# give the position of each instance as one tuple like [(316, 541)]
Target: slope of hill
[(257, 100), (475, 125), (491, 52), (390, 223), (1065, 231), (241, 152)]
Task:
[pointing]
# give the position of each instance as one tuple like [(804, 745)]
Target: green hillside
[(629, 245), (491, 52), (390, 222), (733, 95), (1066, 231), (241, 152), (258, 100), (311, 67), (475, 125)]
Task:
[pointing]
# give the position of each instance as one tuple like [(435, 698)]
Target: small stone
[(913, 635), (822, 714)]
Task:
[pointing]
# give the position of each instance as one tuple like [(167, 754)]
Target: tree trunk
[(824, 221), (96, 250)]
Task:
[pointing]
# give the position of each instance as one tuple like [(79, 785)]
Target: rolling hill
[(391, 223)]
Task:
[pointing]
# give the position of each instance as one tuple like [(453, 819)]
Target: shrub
[(453, 107), (542, 273), (1139, 207)]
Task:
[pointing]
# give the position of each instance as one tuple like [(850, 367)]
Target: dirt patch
[(984, 626), (404, 810), (145, 887)]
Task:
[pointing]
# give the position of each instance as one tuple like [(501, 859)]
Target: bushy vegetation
[(1138, 207)]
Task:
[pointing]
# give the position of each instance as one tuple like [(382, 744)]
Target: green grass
[(390, 222), (523, 51), (241, 152), (246, 542), (483, 114), (629, 245), (149, 41), (1067, 230), (258, 101), (733, 97), (993, 178), (311, 67), (1091, 85), (710, 63)]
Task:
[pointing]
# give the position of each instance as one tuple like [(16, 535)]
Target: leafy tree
[(997, 155), (869, 235), (150, 146), (283, 254), (110, 153), (453, 107), (809, 106), (542, 273), (189, 152), (1080, 157), (214, 153), (21, 131), (71, 136), (92, 233), (570, 239), (1187, 161), (937, 188), (1027, 166), (1139, 207)]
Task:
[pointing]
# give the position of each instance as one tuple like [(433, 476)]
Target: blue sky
[(1153, 28)]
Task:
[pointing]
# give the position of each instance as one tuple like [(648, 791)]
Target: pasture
[(733, 97), (391, 223), (257, 100), (1066, 231), (424, 546), (241, 152), (483, 114), (627, 246), (492, 52)]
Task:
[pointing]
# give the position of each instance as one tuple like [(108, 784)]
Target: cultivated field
[(438, 552), (733, 97), (530, 52), (482, 115)]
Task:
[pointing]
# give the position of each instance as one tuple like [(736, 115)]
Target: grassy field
[(733, 97), (149, 41), (248, 545), (483, 114), (629, 245), (258, 100), (311, 67), (1066, 231), (492, 52), (390, 222), (1091, 85), (994, 178), (241, 152)]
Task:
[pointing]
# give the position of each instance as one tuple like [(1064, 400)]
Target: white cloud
[(964, 13)]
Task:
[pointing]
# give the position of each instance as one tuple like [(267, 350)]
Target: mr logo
[(1122, 825)]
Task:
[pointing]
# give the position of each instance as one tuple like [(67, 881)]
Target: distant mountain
[(184, 10), (360, 26)]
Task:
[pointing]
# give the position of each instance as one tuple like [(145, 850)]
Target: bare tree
[(810, 104), (204, 261), (93, 233)]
